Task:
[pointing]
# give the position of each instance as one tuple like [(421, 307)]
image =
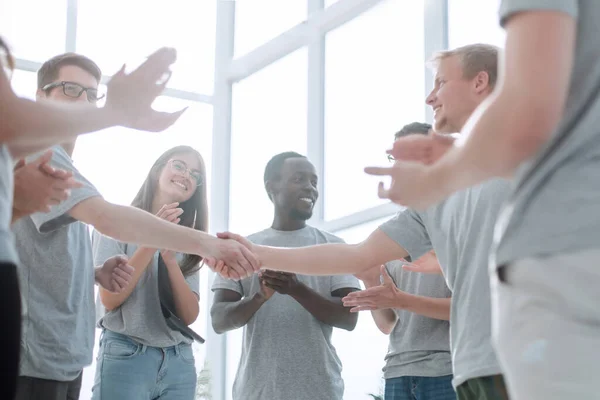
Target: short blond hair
[(474, 59)]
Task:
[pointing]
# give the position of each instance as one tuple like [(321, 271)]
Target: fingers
[(363, 308), (379, 171), (156, 65), (387, 279), (19, 164), (273, 281), (210, 262), (119, 283), (251, 259), (382, 192), (44, 158)]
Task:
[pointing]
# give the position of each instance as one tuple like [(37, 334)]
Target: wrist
[(299, 290)]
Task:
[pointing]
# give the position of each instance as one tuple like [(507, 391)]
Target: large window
[(113, 32), (374, 84), (269, 117), (34, 29), (474, 21), (363, 349), (258, 21)]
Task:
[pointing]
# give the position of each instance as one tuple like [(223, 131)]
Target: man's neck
[(287, 224)]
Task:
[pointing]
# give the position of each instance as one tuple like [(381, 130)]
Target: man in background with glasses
[(414, 309), (56, 270)]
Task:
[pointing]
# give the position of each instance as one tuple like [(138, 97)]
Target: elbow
[(192, 316), (350, 322), (217, 321), (386, 330)]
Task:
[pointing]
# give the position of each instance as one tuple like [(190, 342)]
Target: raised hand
[(130, 96), (170, 212), (38, 186), (115, 274), (281, 282), (425, 149), (427, 264), (386, 295)]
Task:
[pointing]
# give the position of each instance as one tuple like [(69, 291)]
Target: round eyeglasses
[(181, 167)]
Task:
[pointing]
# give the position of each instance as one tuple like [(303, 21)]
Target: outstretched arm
[(325, 259), (29, 126), (131, 225)]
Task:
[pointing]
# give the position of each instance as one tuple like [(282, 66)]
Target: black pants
[(45, 389), (10, 329)]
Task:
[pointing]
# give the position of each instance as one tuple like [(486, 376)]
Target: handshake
[(232, 256)]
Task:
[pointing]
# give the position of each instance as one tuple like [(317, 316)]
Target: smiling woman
[(173, 190)]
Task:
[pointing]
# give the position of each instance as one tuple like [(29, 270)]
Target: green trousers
[(483, 388)]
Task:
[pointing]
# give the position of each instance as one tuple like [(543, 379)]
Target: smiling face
[(454, 97), (180, 177), (295, 192)]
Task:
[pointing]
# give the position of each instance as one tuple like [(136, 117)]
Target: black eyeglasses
[(74, 90), (180, 167)]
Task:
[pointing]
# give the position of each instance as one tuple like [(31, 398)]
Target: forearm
[(139, 261), (132, 225), (37, 125), (328, 312), (385, 319), (494, 145), (186, 303), (427, 306), (227, 316), (324, 259)]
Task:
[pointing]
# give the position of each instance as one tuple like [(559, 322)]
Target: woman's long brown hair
[(9, 57), (195, 210)]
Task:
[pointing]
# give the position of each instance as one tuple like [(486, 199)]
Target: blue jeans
[(127, 370), (420, 388)]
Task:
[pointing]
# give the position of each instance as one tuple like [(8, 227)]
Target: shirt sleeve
[(229, 284), (408, 230), (193, 282), (508, 8), (58, 215), (104, 247)]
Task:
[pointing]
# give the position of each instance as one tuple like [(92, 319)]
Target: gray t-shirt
[(8, 254), (287, 353), (56, 274), (140, 316), (460, 230), (555, 206), (419, 346)]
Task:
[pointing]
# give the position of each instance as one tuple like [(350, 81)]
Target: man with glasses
[(56, 270), (414, 309)]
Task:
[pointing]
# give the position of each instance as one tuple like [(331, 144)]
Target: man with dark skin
[(288, 319)]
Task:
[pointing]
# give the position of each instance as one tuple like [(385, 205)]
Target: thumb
[(387, 279), (226, 235), (44, 158), (20, 164), (122, 259)]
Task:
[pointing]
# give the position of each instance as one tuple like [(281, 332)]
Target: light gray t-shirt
[(460, 230), (140, 316), (8, 254), (419, 346), (287, 353), (56, 274), (555, 206)]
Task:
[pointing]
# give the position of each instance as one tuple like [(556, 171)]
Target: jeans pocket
[(121, 349), (187, 354)]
